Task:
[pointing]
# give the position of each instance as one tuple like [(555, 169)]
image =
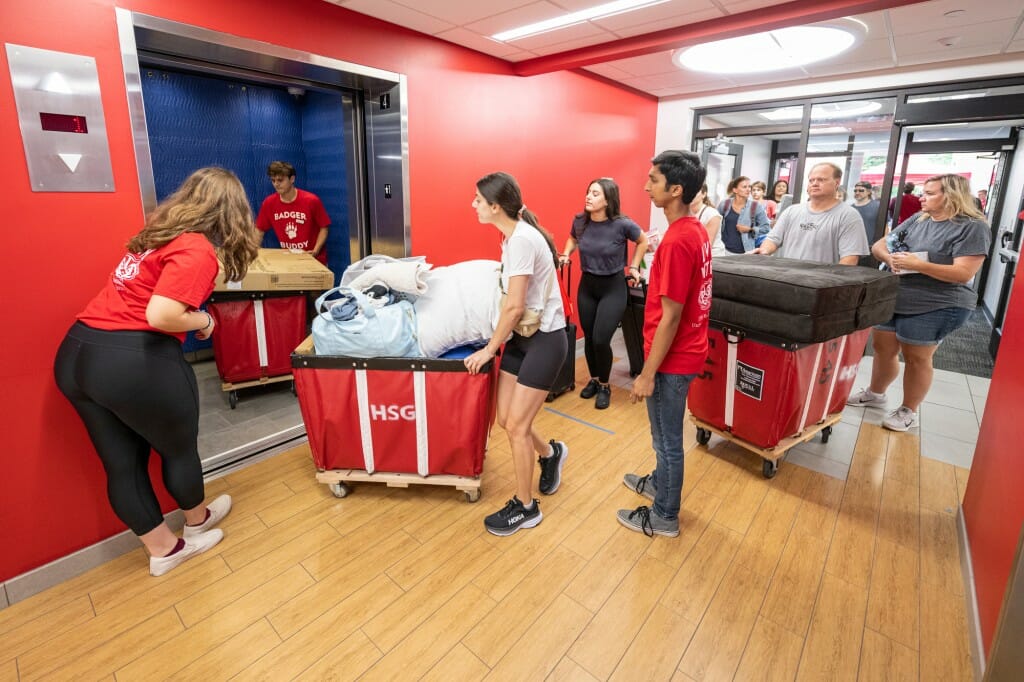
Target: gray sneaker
[(900, 419), (644, 520), (865, 398), (641, 485)]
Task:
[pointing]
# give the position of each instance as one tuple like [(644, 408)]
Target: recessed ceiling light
[(606, 10), (785, 48)]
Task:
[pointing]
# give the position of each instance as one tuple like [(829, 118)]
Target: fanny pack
[(529, 323)]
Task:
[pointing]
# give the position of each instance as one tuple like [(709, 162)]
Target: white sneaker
[(219, 508), (865, 398), (900, 419), (195, 545)]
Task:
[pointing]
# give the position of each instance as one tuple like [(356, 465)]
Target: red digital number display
[(63, 123)]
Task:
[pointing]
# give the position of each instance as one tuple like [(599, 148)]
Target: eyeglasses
[(859, 189)]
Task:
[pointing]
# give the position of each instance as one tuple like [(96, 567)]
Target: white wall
[(1011, 202), (675, 116)]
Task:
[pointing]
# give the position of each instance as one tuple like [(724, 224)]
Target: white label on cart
[(385, 413), (749, 380), (419, 389)]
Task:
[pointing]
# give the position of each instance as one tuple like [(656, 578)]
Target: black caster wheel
[(472, 495), (769, 468), (233, 399), (826, 433), (703, 436), (339, 489), (551, 398)]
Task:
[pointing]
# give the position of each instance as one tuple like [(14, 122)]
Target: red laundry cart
[(255, 335), (768, 395), (398, 421)]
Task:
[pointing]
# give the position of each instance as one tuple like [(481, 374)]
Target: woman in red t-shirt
[(122, 367)]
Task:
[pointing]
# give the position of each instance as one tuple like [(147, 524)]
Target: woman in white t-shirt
[(711, 219), (530, 362)]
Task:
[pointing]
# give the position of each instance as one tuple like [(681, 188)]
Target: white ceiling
[(635, 46)]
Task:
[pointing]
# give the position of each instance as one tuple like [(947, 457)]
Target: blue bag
[(388, 332)]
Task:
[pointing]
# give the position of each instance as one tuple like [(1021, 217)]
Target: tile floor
[(950, 419)]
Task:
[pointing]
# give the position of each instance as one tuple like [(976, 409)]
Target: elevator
[(198, 98)]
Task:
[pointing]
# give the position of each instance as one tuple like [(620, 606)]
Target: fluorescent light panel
[(606, 10)]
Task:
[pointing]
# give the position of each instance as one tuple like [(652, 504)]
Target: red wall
[(467, 116), (994, 502)]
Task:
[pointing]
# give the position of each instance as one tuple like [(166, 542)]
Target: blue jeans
[(665, 409)]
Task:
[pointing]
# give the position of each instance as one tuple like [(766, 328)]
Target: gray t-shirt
[(602, 245), (869, 214), (944, 241), (824, 236)]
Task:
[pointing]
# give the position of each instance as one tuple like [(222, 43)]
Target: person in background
[(936, 254), (757, 190), (297, 217), (981, 201), (841, 194), (602, 234), (779, 190), (909, 205), (675, 338), (743, 220), (824, 229), (867, 206), (529, 364), (711, 219), (122, 367)]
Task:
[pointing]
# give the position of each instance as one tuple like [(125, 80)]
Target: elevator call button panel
[(61, 116)]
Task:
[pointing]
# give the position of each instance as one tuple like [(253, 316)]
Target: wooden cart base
[(232, 388), (337, 480), (771, 456)]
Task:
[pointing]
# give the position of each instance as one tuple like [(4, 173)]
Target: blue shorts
[(926, 329)]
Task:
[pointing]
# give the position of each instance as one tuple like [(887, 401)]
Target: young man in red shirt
[(297, 217), (675, 338)]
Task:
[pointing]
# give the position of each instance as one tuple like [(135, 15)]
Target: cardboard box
[(281, 270)]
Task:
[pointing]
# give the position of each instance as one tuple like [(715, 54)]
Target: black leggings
[(602, 301), (134, 391)]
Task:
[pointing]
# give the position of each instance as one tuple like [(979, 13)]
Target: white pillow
[(458, 307)]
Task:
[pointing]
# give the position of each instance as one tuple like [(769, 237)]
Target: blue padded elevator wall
[(197, 121)]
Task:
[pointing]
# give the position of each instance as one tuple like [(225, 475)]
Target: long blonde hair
[(956, 198)]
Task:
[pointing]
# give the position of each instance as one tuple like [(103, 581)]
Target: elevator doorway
[(199, 98)]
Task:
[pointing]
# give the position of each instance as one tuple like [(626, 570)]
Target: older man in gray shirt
[(824, 229)]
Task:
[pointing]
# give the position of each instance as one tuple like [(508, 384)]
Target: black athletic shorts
[(535, 360)]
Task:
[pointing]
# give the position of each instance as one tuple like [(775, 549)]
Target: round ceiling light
[(785, 48)]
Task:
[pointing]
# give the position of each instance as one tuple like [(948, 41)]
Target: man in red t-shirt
[(675, 338), (909, 205), (297, 217)]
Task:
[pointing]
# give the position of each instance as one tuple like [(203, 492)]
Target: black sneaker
[(590, 390), (512, 517), (551, 467), (604, 398)]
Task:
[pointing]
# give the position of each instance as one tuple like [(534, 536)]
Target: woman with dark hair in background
[(601, 234), (937, 253), (122, 367), (743, 219), (779, 190), (532, 357)]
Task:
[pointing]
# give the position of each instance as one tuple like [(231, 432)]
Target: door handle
[(1005, 238)]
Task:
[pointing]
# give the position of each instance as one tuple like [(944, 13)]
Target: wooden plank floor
[(803, 577)]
